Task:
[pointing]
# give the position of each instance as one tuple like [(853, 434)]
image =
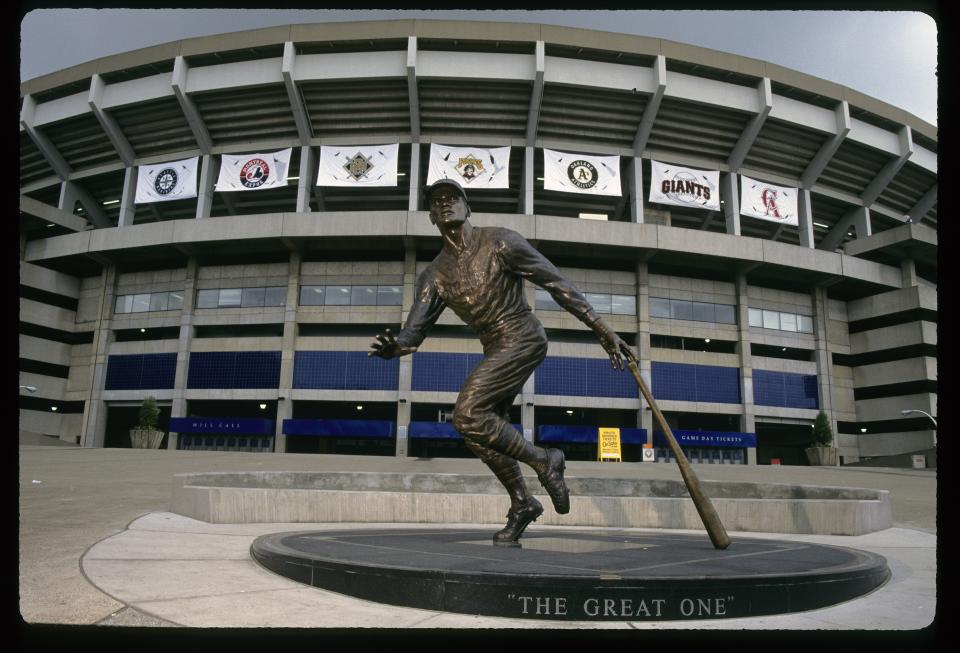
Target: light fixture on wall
[(359, 407), (53, 408), (863, 430), (263, 406), (569, 412)]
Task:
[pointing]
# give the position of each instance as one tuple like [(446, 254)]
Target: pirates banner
[(162, 182), (358, 165), (581, 173), (253, 171), (472, 167), (671, 184), (758, 199)]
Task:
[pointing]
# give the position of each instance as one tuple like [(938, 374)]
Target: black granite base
[(574, 574)]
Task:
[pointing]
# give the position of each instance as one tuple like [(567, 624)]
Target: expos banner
[(758, 199), (673, 184), (162, 182), (253, 171), (581, 173), (472, 167), (358, 165)]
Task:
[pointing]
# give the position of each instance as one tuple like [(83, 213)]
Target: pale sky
[(888, 55)]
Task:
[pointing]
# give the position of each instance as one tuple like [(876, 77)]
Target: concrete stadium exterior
[(842, 306)]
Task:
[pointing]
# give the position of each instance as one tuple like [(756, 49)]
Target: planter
[(822, 456), (146, 438)]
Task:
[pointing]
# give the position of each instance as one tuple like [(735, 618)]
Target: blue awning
[(347, 428), (439, 430), (222, 425), (586, 434), (686, 438)]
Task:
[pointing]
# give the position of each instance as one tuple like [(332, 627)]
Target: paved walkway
[(98, 545)]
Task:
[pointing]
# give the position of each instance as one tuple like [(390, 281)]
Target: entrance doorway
[(785, 442), (120, 419)]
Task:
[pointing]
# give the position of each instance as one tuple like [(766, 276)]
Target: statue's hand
[(615, 346), (387, 346)]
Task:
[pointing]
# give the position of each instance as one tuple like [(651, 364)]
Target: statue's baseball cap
[(446, 182)]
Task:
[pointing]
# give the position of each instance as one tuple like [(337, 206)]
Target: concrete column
[(93, 429), (861, 222), (209, 168), (178, 406), (405, 382), (528, 180), (68, 197), (635, 180), (747, 420), (127, 197), (287, 353), (415, 183), (527, 401), (805, 218), (909, 270), (642, 346), (730, 195), (824, 361), (307, 179)]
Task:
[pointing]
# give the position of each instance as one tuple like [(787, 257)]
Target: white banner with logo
[(253, 171), (758, 199), (162, 182), (672, 184), (581, 173), (358, 165), (471, 167)]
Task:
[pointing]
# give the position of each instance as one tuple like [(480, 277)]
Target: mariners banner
[(758, 199), (581, 173), (162, 182), (253, 171), (472, 167), (671, 184), (358, 165)]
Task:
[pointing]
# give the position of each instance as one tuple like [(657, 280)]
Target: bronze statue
[(479, 274)]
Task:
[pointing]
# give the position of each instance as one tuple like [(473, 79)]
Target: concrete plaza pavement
[(95, 530)]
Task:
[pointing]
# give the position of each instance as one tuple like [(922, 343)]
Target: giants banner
[(758, 199), (162, 182), (471, 167), (581, 173), (671, 184), (253, 171), (358, 165)]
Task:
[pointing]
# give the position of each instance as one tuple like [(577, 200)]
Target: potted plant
[(821, 450), (146, 435)]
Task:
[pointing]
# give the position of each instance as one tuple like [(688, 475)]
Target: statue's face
[(447, 207)]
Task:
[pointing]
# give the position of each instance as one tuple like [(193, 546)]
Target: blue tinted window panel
[(363, 372), (562, 375), (256, 369), (673, 381), (141, 371), (768, 388), (604, 381), (442, 372), (718, 384)]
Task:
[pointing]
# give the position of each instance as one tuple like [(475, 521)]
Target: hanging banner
[(471, 167), (162, 182), (758, 199), (358, 165), (253, 171), (671, 184), (581, 173)]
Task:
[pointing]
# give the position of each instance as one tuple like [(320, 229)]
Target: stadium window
[(389, 296), (209, 298), (756, 317), (337, 296), (703, 312), (141, 303), (312, 295), (275, 296), (623, 305), (659, 307), (544, 302), (175, 300), (771, 320), (805, 324), (726, 314), (363, 295), (600, 302), (788, 322), (252, 296), (158, 301), (681, 309), (229, 297)]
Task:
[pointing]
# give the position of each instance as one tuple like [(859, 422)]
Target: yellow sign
[(608, 444)]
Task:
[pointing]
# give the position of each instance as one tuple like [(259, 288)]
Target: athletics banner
[(671, 184), (162, 182), (253, 171), (358, 165), (581, 173), (471, 167), (758, 199)]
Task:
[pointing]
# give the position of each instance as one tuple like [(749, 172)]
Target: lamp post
[(908, 411)]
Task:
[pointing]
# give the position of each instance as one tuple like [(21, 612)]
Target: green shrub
[(822, 433), (149, 414)]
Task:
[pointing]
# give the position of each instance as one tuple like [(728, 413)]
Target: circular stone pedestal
[(577, 575)]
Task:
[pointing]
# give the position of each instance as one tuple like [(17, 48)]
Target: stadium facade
[(248, 315)]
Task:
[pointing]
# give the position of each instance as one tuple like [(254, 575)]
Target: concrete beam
[(859, 218), (890, 170), (306, 181), (209, 167), (536, 96), (412, 90), (650, 111), (127, 198), (750, 132), (635, 180), (805, 219), (415, 182), (194, 119), (526, 196), (300, 116), (46, 147), (926, 203), (731, 204), (70, 193), (110, 126), (829, 148), (51, 214)]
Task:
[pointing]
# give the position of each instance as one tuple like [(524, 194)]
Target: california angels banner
[(758, 199), (581, 173), (253, 171), (472, 167), (162, 182), (670, 184), (358, 165)]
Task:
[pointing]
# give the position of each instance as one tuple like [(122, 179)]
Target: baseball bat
[(711, 520)]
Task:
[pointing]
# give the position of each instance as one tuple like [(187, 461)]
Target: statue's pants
[(482, 412)]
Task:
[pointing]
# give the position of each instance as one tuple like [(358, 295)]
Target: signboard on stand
[(608, 444), (649, 454)]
